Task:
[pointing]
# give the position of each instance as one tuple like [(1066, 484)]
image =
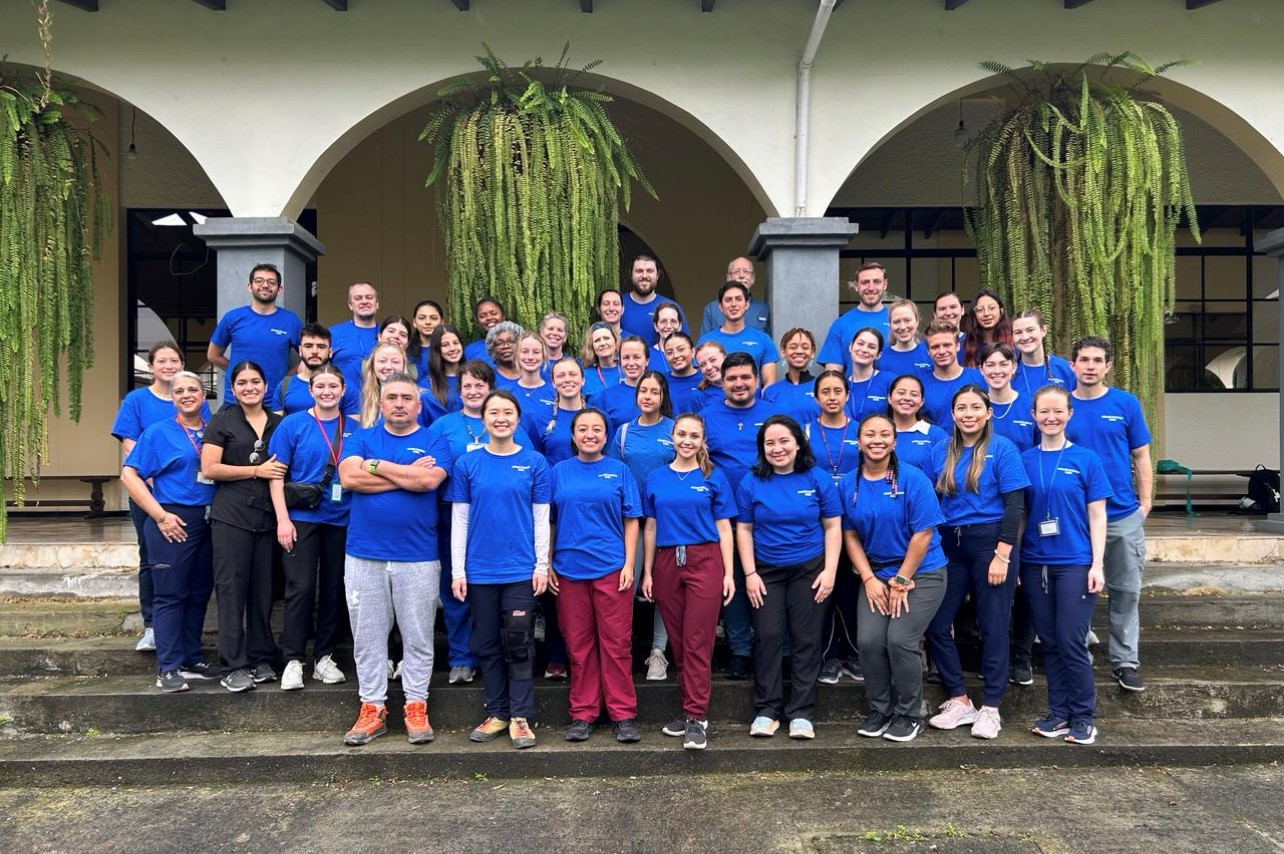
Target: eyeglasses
[(257, 456), (259, 280)]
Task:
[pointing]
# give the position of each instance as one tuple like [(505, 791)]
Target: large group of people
[(851, 511)]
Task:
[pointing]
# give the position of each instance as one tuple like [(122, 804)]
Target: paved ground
[(998, 812)]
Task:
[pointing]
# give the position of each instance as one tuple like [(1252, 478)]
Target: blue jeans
[(1061, 609), (146, 589), (183, 574)]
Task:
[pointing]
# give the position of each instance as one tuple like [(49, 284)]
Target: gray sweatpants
[(378, 592), (889, 647), (1125, 559)]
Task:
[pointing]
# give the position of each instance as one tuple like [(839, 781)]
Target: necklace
[(682, 476), (995, 407)]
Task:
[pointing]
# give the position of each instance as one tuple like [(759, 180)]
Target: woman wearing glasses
[(243, 528)]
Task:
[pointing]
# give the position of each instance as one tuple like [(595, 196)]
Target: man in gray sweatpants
[(392, 571)]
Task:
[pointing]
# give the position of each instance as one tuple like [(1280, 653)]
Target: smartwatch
[(374, 466), (900, 581)]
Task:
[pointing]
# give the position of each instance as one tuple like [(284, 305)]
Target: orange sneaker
[(417, 726), (520, 732), (371, 723)]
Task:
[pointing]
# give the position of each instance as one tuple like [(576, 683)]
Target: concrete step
[(68, 617), (134, 705), (216, 758), (100, 582)]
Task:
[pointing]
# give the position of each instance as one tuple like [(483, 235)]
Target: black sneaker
[(626, 731), (932, 675), (675, 728), (263, 672), (201, 670), (696, 735), (1129, 679), (238, 680), (171, 682), (903, 728), (876, 723), (830, 672), (853, 670), (1022, 673), (579, 730), (738, 667)]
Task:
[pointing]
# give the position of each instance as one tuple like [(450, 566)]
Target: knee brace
[(519, 643)]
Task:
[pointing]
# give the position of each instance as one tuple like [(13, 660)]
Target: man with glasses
[(261, 332), (757, 316)]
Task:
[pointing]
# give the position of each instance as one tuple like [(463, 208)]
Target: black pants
[(506, 697), (243, 592), (840, 620), (316, 562), (789, 606)]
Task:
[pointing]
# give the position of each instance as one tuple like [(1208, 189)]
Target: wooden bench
[(95, 502), (1175, 488)]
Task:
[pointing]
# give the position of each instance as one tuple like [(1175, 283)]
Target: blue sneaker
[(801, 728), (1081, 732), (764, 727), (1051, 726)]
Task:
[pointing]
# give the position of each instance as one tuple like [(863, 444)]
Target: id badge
[(202, 479), (1049, 528), (474, 446), (336, 492)]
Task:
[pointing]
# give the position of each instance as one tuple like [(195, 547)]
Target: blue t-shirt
[(885, 522), (681, 390), (895, 363), (1062, 485), (917, 447), (639, 318), (837, 348), (700, 399), (430, 408), (748, 340), (619, 402), (507, 383), (537, 403), (868, 396), (349, 346), (758, 316), (266, 339), (837, 449), (732, 436), (786, 512), (591, 501), (476, 352), (1002, 473), (643, 447), (686, 506), (464, 434), (1014, 422), (501, 491), (598, 378), (169, 454), (938, 395), (398, 525), (1114, 426), (655, 360), (300, 444), (141, 409), (797, 400), (552, 438), (298, 397), (1054, 371)]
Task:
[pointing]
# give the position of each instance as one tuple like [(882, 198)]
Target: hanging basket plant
[(53, 216), (529, 177), (1080, 184)]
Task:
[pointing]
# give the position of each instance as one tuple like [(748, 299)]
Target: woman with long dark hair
[(426, 317), (445, 355), (986, 323)]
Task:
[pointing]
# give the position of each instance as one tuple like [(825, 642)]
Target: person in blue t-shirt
[(552, 438), (313, 537), (867, 385), (501, 350), (619, 401), (788, 534), (1061, 564), (947, 376), (440, 382), (386, 359), (708, 360), (486, 312), (352, 340), (168, 453), (597, 507), (916, 439), (641, 301), (392, 561), (986, 323), (681, 373), (737, 337), (687, 566), (981, 484), (668, 321), (1110, 421), (600, 357), (140, 409), (795, 392), (733, 424), (759, 314), (500, 544), (553, 332), (1037, 367), (261, 332), (293, 394), (426, 317), (905, 352), (535, 393), (890, 517), (610, 308), (870, 287)]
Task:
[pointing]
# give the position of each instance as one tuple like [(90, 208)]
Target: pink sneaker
[(954, 714), (988, 723)]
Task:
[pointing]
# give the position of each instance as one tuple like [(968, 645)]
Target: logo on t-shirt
[(608, 475), (279, 332), (1113, 417), (700, 488), (520, 468), (810, 493), (417, 450)]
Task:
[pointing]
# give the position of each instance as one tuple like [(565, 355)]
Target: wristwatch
[(374, 466), (901, 581)]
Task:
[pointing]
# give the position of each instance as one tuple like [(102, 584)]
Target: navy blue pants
[(183, 578), (506, 698), (146, 590), (453, 612), (1061, 609), (969, 550)]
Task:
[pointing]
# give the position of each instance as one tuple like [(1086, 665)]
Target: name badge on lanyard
[(473, 446)]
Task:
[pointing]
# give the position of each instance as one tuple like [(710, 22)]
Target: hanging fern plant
[(1080, 185), (53, 215), (529, 182)]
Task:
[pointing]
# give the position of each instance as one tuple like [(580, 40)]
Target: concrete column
[(1273, 244), (801, 257)]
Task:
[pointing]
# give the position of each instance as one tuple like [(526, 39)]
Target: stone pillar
[(1273, 244), (801, 257)]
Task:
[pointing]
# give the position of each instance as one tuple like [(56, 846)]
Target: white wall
[(1222, 431)]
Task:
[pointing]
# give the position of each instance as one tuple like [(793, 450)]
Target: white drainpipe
[(804, 104)]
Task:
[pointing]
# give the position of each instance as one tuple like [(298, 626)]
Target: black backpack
[(1263, 491)]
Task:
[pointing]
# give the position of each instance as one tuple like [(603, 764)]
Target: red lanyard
[(829, 458), (602, 379), (334, 456), (188, 433)]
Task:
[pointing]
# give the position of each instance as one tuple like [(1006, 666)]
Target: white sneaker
[(954, 714), (327, 671), (292, 678), (987, 723), (147, 643), (657, 666), (395, 673)]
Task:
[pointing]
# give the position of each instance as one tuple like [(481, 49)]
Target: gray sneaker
[(696, 735), (263, 672), (830, 672), (171, 682), (462, 673), (657, 666), (147, 643), (238, 680)]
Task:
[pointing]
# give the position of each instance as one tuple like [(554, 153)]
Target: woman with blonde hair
[(906, 351), (385, 359)]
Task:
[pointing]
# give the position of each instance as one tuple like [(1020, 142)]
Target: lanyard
[(865, 397), (1046, 490), (477, 440), (602, 379), (1025, 376), (829, 457), (187, 431), (338, 435)]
